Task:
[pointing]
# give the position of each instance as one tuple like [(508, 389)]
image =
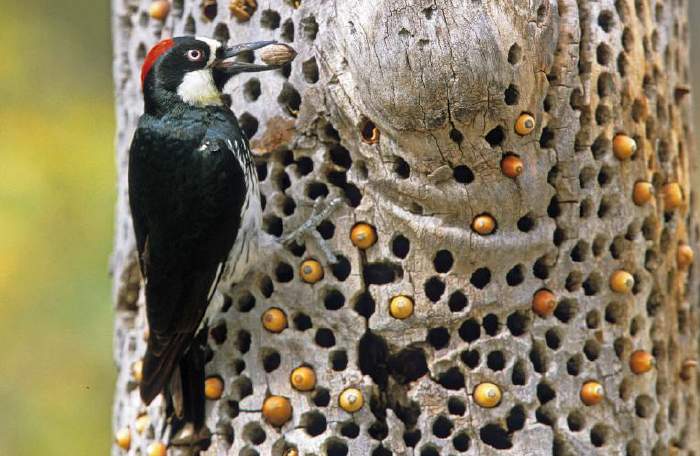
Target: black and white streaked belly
[(245, 249)]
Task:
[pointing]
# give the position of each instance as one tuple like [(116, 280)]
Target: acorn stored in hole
[(688, 368), (487, 395), (311, 271), (137, 370), (512, 166), (159, 9), (673, 196), (213, 388), (142, 423), (624, 146), (642, 193), (277, 54), (156, 449), (369, 132), (303, 378), (274, 320), (242, 9), (524, 124), (592, 393), (641, 362), (685, 256), (621, 281), (351, 400), (123, 438), (277, 410), (363, 236), (543, 303), (401, 307), (484, 224)]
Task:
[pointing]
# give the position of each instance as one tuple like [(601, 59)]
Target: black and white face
[(194, 68), (188, 70)]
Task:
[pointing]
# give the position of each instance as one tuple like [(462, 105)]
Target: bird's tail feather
[(162, 356)]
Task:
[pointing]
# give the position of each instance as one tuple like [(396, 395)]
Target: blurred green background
[(56, 217), (57, 192)]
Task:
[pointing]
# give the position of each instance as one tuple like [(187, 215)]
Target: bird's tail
[(161, 359)]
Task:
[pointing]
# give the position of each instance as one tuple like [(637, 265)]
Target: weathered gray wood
[(432, 75)]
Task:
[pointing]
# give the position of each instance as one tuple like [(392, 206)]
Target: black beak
[(226, 64)]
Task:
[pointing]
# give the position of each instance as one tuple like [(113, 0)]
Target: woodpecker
[(195, 205)]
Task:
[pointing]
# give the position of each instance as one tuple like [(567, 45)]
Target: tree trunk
[(405, 110)]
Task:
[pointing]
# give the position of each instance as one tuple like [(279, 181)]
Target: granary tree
[(509, 270)]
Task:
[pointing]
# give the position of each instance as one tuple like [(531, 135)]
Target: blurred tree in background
[(56, 213)]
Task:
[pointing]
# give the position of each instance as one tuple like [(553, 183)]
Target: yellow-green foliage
[(56, 212)]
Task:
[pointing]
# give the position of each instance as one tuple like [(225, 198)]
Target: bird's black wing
[(187, 189)]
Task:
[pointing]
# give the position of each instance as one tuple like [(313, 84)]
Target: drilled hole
[(496, 136), (434, 289), (458, 301), (249, 124), (463, 174), (314, 423), (481, 278), (269, 19), (310, 70)]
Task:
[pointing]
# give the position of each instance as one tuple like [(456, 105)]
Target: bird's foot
[(320, 212)]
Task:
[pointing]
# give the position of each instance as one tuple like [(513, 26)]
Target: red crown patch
[(153, 55)]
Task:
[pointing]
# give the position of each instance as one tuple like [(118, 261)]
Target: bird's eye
[(194, 55)]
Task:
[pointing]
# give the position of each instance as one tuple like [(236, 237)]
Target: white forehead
[(213, 46)]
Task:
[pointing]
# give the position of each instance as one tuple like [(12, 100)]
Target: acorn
[(621, 281), (123, 438), (142, 423), (673, 196), (624, 146), (641, 362), (512, 166), (277, 54), (484, 224), (369, 132), (688, 368), (277, 410), (156, 449), (592, 393), (643, 192), (525, 124), (401, 307), (363, 236), (242, 9), (543, 303), (291, 452), (137, 370), (311, 271), (351, 400), (213, 388), (159, 9), (303, 378), (274, 320), (685, 256), (487, 395)]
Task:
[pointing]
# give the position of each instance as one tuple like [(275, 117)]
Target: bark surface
[(405, 109)]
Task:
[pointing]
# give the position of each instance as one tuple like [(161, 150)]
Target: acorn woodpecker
[(195, 205)]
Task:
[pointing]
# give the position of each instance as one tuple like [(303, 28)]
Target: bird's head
[(192, 70)]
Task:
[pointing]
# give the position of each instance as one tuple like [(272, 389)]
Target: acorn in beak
[(274, 55)]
